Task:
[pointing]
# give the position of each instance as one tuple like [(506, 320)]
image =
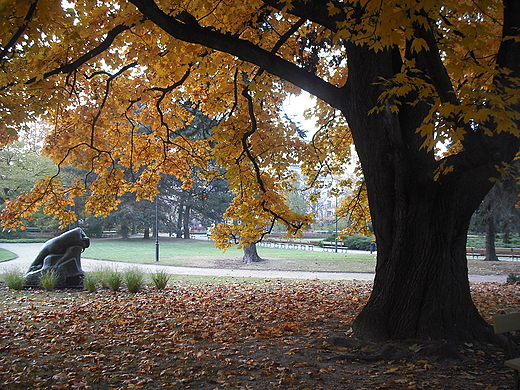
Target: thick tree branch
[(313, 10), (164, 92), (482, 150), (185, 28), (245, 140), (68, 68), (105, 97), (431, 60), (287, 35), (282, 40), (256, 168), (21, 29), (509, 51)]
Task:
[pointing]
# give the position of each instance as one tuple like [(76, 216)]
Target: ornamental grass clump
[(134, 279), (101, 275), (13, 278), (113, 279), (91, 281), (160, 279), (49, 279)]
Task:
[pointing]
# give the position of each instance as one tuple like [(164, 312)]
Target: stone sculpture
[(61, 254)]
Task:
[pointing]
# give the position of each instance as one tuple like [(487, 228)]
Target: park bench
[(475, 252), (508, 252), (507, 323), (513, 253), (109, 233), (331, 245)]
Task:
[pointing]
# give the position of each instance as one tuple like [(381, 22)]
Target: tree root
[(368, 351)]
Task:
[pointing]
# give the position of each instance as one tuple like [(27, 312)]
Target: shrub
[(13, 278), (513, 278), (13, 235), (49, 279), (353, 241), (134, 279), (90, 282), (93, 227), (160, 279)]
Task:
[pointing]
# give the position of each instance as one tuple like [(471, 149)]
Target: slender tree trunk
[(146, 235), (251, 254), (491, 253), (180, 219), (186, 222)]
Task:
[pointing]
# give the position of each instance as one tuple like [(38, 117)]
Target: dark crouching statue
[(61, 254)]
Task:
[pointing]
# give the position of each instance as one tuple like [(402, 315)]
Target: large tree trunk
[(251, 254), (421, 288), (124, 231)]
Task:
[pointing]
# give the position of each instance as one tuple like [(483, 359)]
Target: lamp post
[(156, 228)]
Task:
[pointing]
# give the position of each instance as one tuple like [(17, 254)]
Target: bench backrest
[(506, 322)]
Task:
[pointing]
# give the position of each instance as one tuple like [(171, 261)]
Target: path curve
[(28, 252)]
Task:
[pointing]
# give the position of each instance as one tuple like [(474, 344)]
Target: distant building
[(324, 208)]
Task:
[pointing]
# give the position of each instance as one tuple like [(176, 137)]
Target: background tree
[(498, 211), (296, 199), (395, 77), (251, 254), (208, 196), (134, 216), (205, 201), (21, 166)]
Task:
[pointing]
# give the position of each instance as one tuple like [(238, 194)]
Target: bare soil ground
[(262, 335), (482, 267)]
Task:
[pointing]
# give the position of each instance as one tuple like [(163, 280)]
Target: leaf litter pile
[(258, 335)]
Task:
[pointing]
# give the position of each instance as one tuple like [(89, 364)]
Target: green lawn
[(6, 255), (198, 253)]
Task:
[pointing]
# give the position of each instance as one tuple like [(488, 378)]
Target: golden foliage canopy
[(114, 79)]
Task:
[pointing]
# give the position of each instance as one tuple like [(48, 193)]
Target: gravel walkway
[(27, 252)]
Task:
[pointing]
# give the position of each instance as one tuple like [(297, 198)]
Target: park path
[(28, 252)]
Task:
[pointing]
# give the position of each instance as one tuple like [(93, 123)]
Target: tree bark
[(421, 288), (251, 254), (491, 253)]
